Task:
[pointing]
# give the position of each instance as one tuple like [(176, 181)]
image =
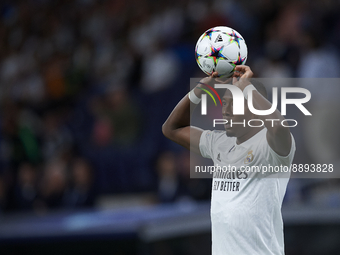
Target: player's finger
[(236, 74), (242, 68), (247, 72), (214, 74)]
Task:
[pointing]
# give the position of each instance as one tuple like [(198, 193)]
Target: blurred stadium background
[(85, 87)]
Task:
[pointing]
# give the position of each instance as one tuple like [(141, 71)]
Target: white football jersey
[(246, 207)]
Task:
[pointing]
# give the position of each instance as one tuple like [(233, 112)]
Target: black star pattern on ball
[(198, 56), (239, 60), (209, 32), (235, 38), (216, 54)]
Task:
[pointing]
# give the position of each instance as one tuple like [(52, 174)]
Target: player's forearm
[(271, 121), (180, 116)]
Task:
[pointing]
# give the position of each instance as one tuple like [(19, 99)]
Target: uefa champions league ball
[(220, 49)]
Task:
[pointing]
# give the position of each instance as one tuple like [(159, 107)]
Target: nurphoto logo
[(238, 104)]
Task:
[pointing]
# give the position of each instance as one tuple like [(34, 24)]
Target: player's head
[(237, 125)]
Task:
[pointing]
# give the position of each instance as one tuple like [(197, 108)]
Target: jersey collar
[(251, 140)]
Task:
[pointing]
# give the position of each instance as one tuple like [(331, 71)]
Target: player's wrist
[(193, 96)]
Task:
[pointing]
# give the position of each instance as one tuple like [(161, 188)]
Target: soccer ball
[(220, 49)]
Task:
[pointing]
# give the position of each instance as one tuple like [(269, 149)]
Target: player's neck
[(248, 135)]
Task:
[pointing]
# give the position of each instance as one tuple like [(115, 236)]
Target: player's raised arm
[(177, 127), (278, 136)]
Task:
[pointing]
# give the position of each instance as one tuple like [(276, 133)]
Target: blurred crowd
[(85, 86)]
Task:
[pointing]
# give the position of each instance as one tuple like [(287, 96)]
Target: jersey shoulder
[(220, 135)]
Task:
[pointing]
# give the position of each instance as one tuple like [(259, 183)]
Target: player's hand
[(242, 76), (213, 79), (222, 80)]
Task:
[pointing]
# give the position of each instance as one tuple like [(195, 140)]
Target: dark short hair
[(260, 87)]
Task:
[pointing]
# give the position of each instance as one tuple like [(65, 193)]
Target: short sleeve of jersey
[(208, 142)]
